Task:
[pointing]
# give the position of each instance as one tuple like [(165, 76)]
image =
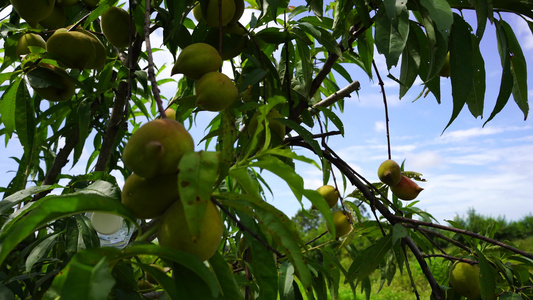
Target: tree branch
[(119, 107), (464, 232), (435, 287), (59, 162), (151, 74), (115, 122), (340, 94), (382, 86)]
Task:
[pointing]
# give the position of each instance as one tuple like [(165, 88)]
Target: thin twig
[(408, 267), (73, 27), (440, 236), (452, 258), (59, 162), (464, 232), (151, 74), (382, 85), (316, 238)]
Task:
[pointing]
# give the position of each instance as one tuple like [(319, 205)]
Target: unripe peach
[(389, 172)]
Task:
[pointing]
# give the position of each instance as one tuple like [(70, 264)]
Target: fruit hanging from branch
[(211, 14), (330, 194), (157, 148), (215, 91), (342, 220), (234, 40), (464, 279), (56, 19), (33, 11), (51, 83), (149, 198), (100, 52), (196, 60), (27, 40), (73, 49), (406, 189), (389, 172), (174, 233), (116, 26)]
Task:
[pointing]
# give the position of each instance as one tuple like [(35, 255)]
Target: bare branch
[(340, 94), (151, 74), (382, 85)]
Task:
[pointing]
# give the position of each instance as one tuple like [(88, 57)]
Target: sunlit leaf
[(198, 173)]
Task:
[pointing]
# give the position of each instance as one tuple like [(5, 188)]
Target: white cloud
[(380, 126), (465, 134), (424, 160)]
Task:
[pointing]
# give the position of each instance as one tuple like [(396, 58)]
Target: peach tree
[(81, 75)]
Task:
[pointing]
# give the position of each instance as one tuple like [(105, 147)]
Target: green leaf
[(507, 81), (510, 296), (287, 173), (259, 258), (87, 276), (225, 277), (368, 259), (166, 282), (483, 12), (278, 225), (322, 36), (319, 203), (286, 278), (306, 65), (393, 9), (304, 133), (410, 62), (333, 117), (365, 47), (84, 120), (317, 6), (398, 232), (441, 14), (22, 195), (487, 277), (476, 98), (390, 39), (25, 118), (197, 175), (462, 73), (187, 260), (8, 107), (40, 250), (518, 69), (189, 284), (243, 177), (52, 208), (6, 293)]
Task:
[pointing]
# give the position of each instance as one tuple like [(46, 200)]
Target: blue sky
[(468, 166)]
